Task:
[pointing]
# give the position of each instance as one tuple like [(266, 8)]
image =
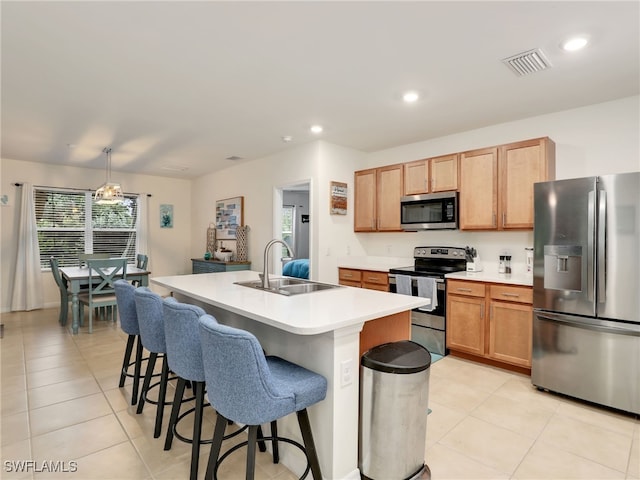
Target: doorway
[(293, 220)]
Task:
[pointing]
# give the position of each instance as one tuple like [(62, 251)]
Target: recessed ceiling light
[(287, 138), (574, 44), (316, 129), (410, 97)]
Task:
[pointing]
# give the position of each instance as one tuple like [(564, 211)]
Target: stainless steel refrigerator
[(586, 289)]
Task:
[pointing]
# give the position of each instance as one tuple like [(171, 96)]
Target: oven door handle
[(414, 281)]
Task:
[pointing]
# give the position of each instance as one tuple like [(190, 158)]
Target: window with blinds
[(70, 223)]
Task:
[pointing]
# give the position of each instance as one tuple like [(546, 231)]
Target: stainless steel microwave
[(434, 211)]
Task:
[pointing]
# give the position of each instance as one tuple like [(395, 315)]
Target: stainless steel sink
[(288, 286)]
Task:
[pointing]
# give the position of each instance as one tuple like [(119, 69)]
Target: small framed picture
[(166, 216), (229, 213)]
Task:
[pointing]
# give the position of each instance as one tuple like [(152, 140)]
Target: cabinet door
[(510, 332), (479, 189), (416, 177), (365, 201), (520, 166), (389, 190), (444, 173), (465, 324)]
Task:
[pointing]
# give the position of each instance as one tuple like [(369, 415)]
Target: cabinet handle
[(372, 279), (511, 294), (491, 313), (347, 275), (433, 184), (504, 218), (494, 220), (482, 311), (464, 289)]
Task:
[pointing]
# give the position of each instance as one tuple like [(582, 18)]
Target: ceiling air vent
[(233, 158), (527, 62)]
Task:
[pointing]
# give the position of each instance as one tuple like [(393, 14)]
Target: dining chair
[(84, 257), (141, 262), (64, 290), (104, 273)]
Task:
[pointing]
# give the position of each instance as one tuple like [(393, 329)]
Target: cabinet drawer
[(512, 293), (459, 287), (349, 275), (379, 278), (375, 286), (349, 283)]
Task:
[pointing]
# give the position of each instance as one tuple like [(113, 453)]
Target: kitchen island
[(320, 331)]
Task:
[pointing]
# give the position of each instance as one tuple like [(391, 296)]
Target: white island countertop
[(306, 314)]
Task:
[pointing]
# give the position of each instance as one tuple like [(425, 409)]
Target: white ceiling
[(187, 84)]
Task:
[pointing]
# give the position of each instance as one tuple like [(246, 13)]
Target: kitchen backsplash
[(489, 245)]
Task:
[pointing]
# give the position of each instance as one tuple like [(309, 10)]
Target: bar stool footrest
[(277, 438)]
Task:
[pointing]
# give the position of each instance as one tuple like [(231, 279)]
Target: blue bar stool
[(247, 387), (129, 324), (151, 322), (181, 323)]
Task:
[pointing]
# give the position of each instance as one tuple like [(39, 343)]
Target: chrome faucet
[(265, 272)]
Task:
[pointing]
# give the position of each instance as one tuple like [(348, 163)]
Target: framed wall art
[(229, 216), (166, 216), (338, 198)]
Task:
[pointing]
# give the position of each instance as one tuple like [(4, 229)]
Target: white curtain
[(143, 223), (27, 287)]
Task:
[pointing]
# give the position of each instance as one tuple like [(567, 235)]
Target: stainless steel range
[(428, 328)]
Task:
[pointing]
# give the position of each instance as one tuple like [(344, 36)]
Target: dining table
[(79, 277)]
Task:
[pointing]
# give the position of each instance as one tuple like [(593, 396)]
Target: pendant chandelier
[(109, 193)]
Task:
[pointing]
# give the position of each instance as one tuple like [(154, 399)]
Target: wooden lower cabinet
[(467, 332), (490, 322), (370, 279)]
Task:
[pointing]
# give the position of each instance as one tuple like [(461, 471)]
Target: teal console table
[(200, 265)]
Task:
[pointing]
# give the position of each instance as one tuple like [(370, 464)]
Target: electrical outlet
[(348, 250), (346, 372), (388, 249)]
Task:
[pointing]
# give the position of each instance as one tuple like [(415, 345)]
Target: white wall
[(169, 249), (594, 140), (316, 163)]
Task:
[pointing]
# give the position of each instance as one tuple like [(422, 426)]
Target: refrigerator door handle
[(602, 246), (591, 215), (588, 324)]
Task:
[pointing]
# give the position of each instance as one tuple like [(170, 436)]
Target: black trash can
[(394, 397)]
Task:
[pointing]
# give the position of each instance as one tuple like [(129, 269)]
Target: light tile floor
[(60, 402)]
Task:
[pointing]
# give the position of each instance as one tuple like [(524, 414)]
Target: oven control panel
[(439, 252)]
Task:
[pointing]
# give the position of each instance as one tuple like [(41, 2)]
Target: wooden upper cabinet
[(520, 166), (479, 189), (444, 173), (438, 174), (365, 201), (389, 192), (416, 177), (377, 199), (496, 184)]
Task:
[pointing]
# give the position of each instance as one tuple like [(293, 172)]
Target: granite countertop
[(306, 314)]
